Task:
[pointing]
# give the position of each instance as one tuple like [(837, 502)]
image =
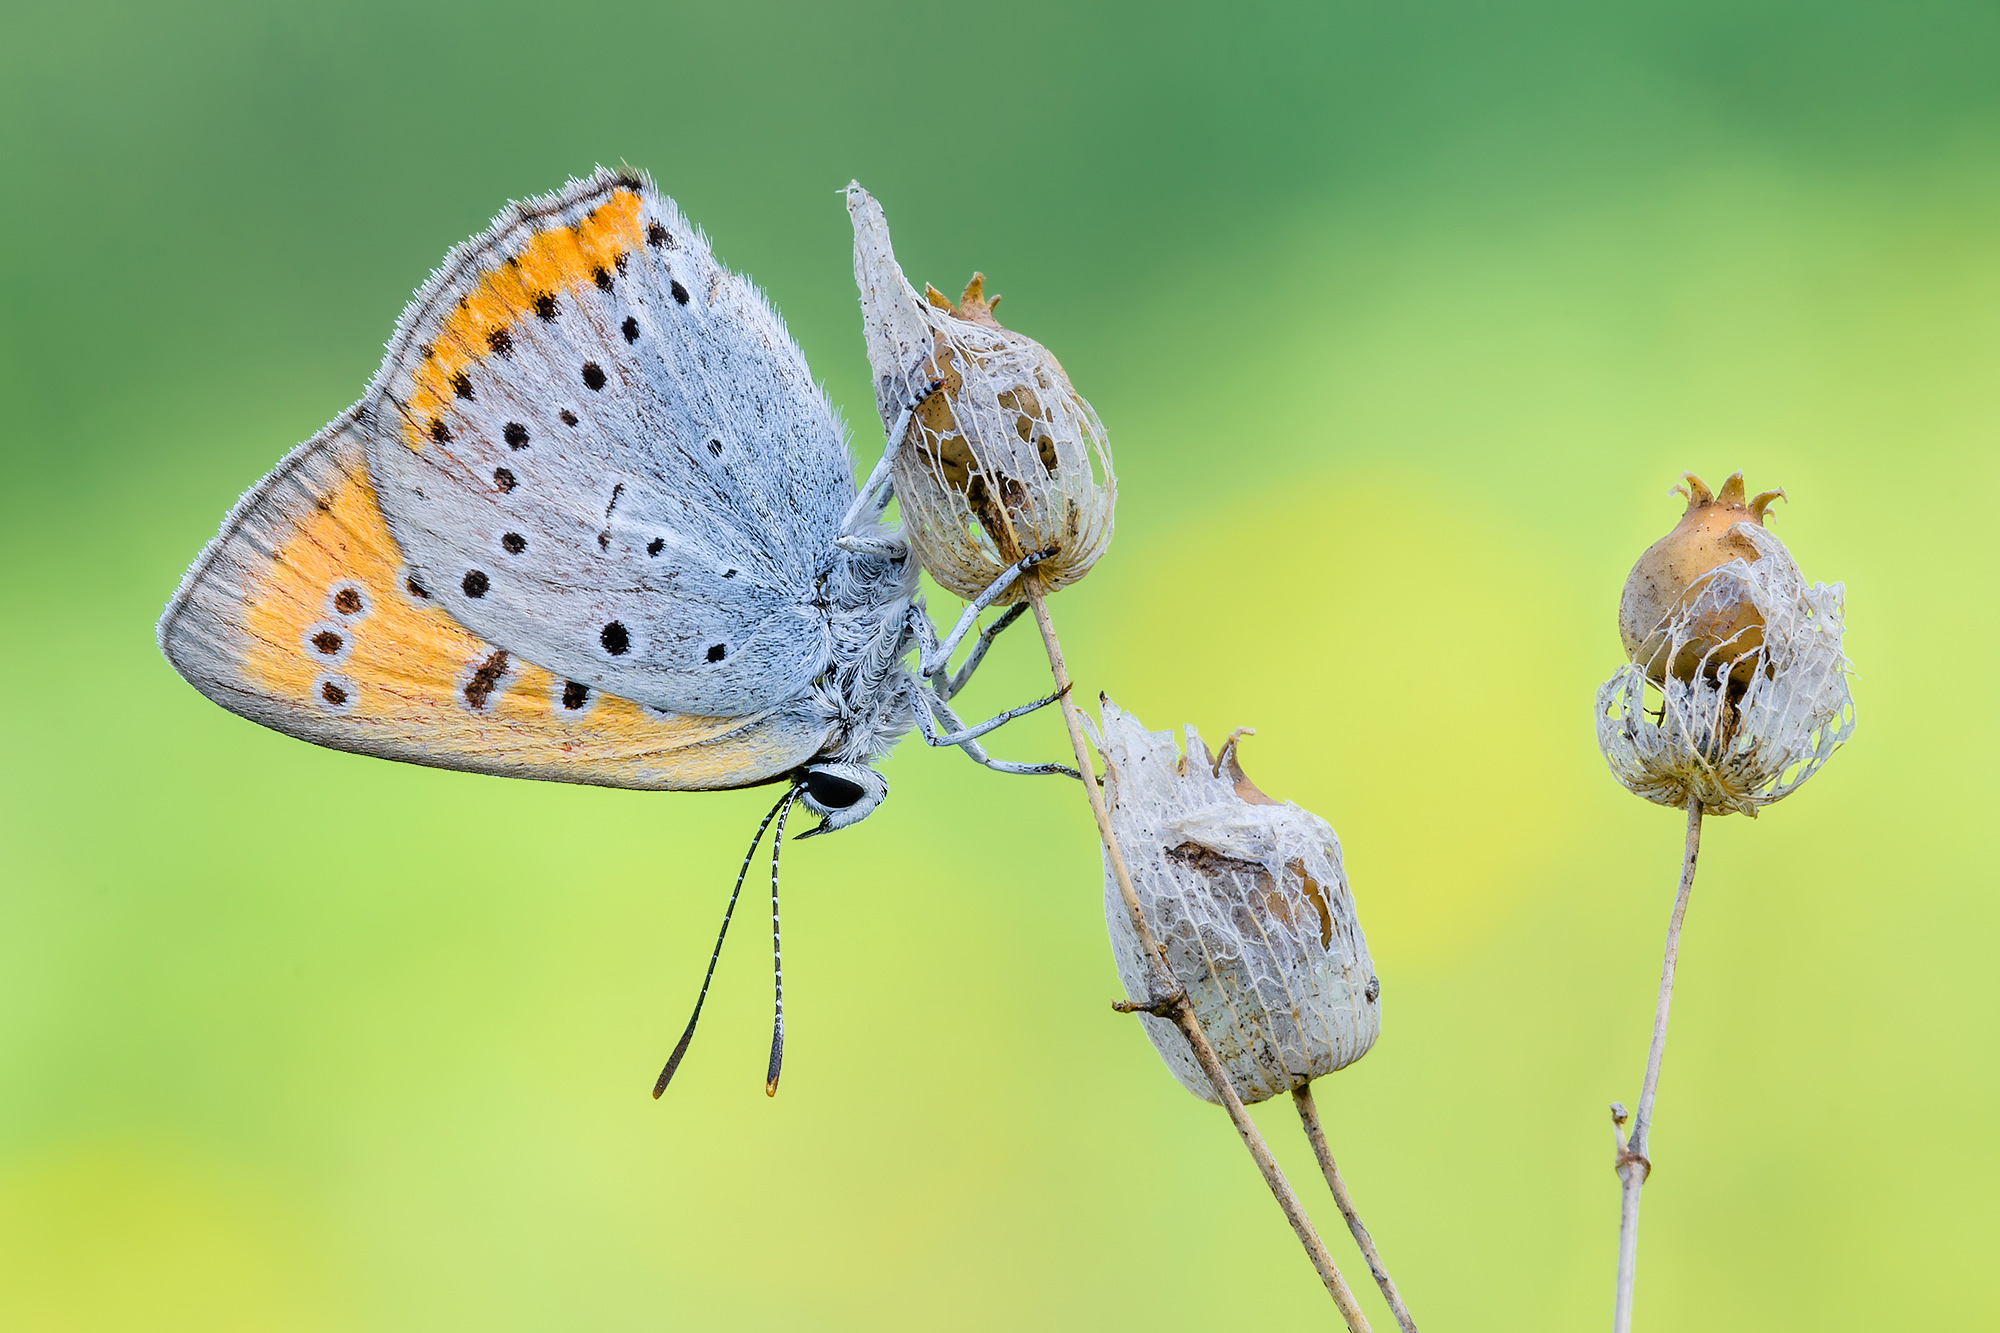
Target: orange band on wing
[(334, 625), (551, 262)]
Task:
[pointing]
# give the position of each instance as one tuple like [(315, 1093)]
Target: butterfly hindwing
[(303, 615), (601, 447)]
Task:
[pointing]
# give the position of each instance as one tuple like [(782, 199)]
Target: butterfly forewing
[(600, 447)]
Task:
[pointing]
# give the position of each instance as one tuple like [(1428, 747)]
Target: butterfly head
[(840, 794)]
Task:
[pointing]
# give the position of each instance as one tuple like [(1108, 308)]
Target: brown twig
[(1170, 1000), (1633, 1166), (1309, 1114)]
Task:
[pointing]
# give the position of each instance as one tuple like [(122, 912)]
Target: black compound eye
[(832, 791)]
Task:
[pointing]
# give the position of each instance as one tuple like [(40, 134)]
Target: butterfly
[(593, 521)]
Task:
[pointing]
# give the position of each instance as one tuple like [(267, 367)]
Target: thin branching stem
[(1302, 1096), (1169, 1000), (1632, 1163)]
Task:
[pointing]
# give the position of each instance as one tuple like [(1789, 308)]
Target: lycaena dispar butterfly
[(591, 522)]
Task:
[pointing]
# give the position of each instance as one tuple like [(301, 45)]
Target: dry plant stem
[(1171, 1001), (1302, 1096), (1633, 1165)]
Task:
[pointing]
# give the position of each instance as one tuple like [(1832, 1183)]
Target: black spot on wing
[(480, 688), (348, 602), (630, 328), (615, 639), (656, 235), (475, 583), (602, 278), (504, 478), (655, 546), (513, 543), (439, 431), (716, 652), (575, 694), (593, 376), (516, 435), (568, 417), (545, 307), (501, 341), (461, 384), (680, 292)]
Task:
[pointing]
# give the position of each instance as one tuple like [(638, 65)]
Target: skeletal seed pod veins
[(1248, 897), (1002, 458), (1736, 691), (1707, 537)]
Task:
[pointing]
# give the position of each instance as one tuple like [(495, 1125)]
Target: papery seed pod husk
[(1248, 897), (1755, 713), (1006, 459)]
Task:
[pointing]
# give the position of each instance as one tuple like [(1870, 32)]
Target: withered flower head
[(1248, 898), (1005, 459), (1737, 688)]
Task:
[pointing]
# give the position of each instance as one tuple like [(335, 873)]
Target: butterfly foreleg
[(930, 710), (874, 493), (889, 548)]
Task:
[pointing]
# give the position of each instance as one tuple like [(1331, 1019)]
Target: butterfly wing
[(303, 616), (600, 447)]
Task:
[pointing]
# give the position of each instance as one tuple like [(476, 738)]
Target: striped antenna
[(777, 954), (674, 1060)]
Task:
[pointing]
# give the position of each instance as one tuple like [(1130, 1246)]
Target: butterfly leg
[(927, 723), (874, 493), (936, 657), (889, 548), (962, 733), (948, 687), (944, 681)]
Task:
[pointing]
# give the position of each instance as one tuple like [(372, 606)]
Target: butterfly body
[(583, 527)]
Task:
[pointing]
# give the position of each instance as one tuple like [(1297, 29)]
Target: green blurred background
[(1403, 319)]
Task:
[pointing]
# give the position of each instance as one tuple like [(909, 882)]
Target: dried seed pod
[(1005, 459), (1737, 691), (1248, 898), (1660, 584)]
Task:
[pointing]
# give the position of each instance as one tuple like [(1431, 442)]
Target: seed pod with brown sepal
[(1737, 688), (1708, 536), (1249, 900), (1001, 458)]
